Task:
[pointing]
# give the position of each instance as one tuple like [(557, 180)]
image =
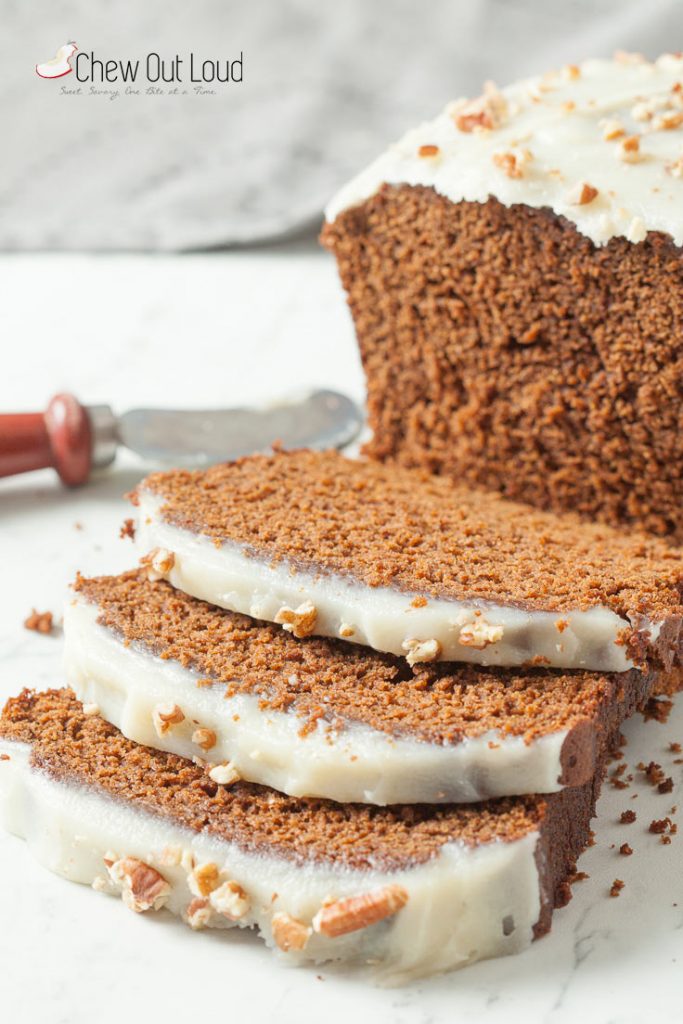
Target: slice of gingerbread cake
[(515, 274), (413, 890), (318, 717), (411, 564)]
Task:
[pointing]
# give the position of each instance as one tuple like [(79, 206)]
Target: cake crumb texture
[(505, 349)]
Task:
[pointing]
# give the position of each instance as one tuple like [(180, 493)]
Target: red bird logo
[(60, 64)]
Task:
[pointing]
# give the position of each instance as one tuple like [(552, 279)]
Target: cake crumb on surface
[(39, 622), (127, 529), (627, 817), (663, 826), (655, 775), (657, 709), (615, 777), (617, 886), (652, 771)]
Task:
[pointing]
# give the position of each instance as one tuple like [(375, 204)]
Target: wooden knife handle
[(60, 437)]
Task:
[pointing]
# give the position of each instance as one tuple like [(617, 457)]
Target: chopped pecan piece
[(204, 738), (349, 915), (513, 163), (581, 194), (158, 563), (612, 129), (421, 650), (289, 932), (204, 879), (484, 113), (479, 634), (198, 913), (668, 120), (629, 149), (230, 900), (142, 887), (300, 622), (165, 717), (224, 774)]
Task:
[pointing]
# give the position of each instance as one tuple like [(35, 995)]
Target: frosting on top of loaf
[(600, 143)]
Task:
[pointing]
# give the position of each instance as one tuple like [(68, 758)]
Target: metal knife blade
[(196, 438)]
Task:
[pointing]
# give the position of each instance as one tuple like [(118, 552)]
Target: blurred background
[(325, 87)]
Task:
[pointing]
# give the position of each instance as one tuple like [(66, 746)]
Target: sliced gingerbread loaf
[(411, 564), (413, 890), (318, 717)]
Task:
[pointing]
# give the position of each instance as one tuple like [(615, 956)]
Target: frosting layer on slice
[(319, 718), (411, 565), (418, 890)]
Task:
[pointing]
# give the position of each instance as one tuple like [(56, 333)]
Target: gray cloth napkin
[(325, 88)]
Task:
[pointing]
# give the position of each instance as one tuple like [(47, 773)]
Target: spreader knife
[(74, 439)]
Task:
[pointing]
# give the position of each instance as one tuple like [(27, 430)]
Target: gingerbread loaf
[(515, 274)]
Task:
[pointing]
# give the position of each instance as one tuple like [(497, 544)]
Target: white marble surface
[(216, 329)]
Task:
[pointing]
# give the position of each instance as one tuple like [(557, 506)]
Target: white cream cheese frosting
[(383, 618), (463, 905), (357, 763), (600, 143)]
